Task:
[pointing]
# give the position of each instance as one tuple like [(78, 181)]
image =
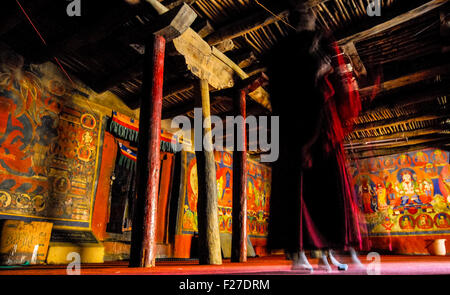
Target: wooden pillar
[(207, 207), (143, 242), (239, 224)]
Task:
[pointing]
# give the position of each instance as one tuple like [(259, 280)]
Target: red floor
[(274, 265)]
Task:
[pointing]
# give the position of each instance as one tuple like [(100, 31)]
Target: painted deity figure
[(439, 157), (406, 222), (374, 203), (421, 158), (366, 192), (428, 188), (224, 189), (430, 169), (389, 164), (381, 196), (424, 222), (442, 221), (190, 209), (390, 192), (404, 160), (193, 185), (408, 190), (259, 196)]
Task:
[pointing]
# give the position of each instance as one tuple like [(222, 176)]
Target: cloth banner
[(127, 157), (127, 128), (124, 127)]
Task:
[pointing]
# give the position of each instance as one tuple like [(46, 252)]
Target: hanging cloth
[(127, 157), (124, 127), (123, 191), (127, 128)]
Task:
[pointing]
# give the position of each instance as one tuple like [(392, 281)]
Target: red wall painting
[(405, 194), (258, 195), (49, 148)]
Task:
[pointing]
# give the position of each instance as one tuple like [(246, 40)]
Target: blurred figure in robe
[(314, 204)]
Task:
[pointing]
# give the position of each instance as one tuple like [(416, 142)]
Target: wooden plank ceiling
[(401, 58)]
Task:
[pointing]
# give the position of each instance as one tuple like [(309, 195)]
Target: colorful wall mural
[(258, 195), (49, 148), (405, 194)]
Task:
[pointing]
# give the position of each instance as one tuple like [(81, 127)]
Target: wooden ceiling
[(401, 57)]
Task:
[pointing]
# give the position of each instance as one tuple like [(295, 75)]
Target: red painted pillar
[(239, 217), (143, 242)]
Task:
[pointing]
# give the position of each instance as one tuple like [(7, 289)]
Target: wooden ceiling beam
[(407, 134), (203, 60), (225, 46), (403, 18), (125, 74), (188, 106), (255, 69), (260, 95), (243, 58), (178, 87), (398, 121), (385, 151), (401, 142), (407, 98), (203, 27), (406, 80), (244, 26), (206, 60), (395, 104), (173, 4), (180, 109), (252, 110)]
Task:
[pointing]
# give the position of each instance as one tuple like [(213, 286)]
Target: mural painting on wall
[(48, 148), (258, 195), (405, 194)]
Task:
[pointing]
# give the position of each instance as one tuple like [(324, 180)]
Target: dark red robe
[(321, 213)]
